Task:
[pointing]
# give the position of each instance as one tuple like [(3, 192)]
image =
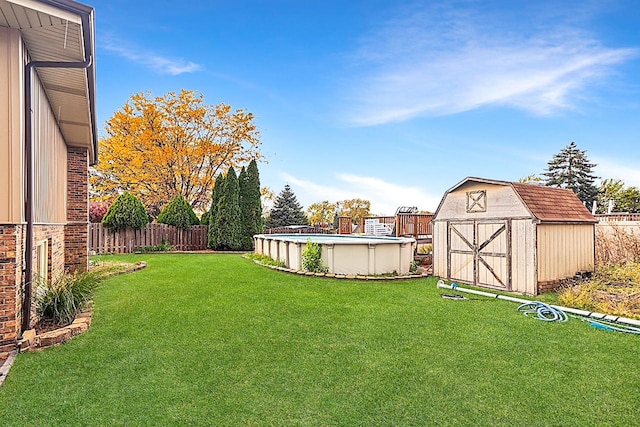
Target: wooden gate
[(479, 253)]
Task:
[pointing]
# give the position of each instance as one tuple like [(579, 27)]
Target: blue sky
[(394, 102)]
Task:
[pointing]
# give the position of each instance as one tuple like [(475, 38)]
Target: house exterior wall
[(11, 244), (11, 133), (49, 161), (77, 229), (60, 190), (563, 250)]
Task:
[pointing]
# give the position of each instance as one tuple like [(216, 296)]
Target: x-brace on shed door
[(479, 252)]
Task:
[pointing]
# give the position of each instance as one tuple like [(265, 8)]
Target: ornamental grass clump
[(312, 258), (60, 300)]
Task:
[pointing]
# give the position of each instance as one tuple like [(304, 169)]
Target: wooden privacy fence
[(297, 229), (102, 240), (415, 225)]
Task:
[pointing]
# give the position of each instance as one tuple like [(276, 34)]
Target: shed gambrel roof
[(546, 204), (553, 204)]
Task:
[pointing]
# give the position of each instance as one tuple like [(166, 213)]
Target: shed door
[(479, 253)]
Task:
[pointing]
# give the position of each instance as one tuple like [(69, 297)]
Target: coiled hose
[(543, 311)]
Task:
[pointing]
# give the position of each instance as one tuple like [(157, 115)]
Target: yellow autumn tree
[(159, 147), (321, 213), (354, 208)]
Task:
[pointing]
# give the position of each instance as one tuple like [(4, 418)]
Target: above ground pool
[(342, 254)]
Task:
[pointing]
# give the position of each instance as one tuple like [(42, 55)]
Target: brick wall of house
[(10, 278), (54, 235), (77, 228)]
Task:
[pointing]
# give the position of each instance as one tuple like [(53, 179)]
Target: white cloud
[(440, 62), (161, 64), (385, 197), (615, 169)]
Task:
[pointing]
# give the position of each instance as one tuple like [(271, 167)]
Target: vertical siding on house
[(11, 119), (50, 162), (563, 250)]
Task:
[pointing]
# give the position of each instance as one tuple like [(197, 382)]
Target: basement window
[(42, 260)]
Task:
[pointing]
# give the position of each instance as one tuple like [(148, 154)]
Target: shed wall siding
[(501, 202), (50, 161), (564, 249), (440, 249), (11, 119), (523, 256)]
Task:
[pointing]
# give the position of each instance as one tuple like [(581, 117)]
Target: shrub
[(312, 258), (205, 218), (425, 249), (62, 299), (178, 213), (97, 211), (617, 246), (126, 211)]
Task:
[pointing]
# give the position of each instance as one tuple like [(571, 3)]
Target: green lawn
[(218, 340)]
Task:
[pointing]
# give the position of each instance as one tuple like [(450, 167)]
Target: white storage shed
[(511, 236)]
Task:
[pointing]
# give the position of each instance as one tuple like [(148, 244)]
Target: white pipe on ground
[(584, 313)]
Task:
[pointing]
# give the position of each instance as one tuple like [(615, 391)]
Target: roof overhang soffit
[(52, 31)]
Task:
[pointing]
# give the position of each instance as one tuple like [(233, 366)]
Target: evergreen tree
[(250, 204), (213, 211), (126, 211), (286, 210), (571, 169), (204, 219), (227, 233), (178, 213)]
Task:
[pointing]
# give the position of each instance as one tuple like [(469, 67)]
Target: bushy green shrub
[(205, 218), (179, 213), (60, 300), (126, 211), (312, 258)]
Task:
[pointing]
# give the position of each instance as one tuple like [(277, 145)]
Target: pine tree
[(178, 213), (227, 233), (250, 204), (571, 169), (286, 210), (213, 211)]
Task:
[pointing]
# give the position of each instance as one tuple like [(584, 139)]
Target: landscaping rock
[(56, 337), (78, 327), (28, 339)]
